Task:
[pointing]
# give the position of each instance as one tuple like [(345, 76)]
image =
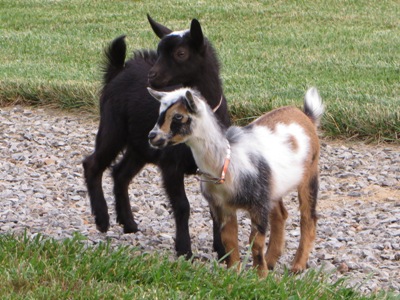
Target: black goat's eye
[(181, 54), (178, 117)]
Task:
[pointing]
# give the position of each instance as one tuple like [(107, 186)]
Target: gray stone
[(42, 191)]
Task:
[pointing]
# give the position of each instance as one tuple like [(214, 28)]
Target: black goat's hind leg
[(174, 187), (123, 173), (94, 165), (93, 176)]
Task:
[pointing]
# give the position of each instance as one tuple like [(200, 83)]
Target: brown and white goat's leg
[(277, 221), (229, 236), (308, 191), (257, 239)]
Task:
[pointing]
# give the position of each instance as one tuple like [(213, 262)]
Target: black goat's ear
[(190, 102), (156, 94), (196, 33), (159, 30)]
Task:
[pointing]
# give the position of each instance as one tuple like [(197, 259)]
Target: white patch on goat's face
[(180, 33), (171, 97)]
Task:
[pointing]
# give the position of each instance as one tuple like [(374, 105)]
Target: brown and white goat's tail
[(313, 106)]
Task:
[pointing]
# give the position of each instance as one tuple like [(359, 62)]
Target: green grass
[(42, 268), (271, 51)]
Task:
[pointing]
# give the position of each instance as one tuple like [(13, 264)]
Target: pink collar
[(221, 179)]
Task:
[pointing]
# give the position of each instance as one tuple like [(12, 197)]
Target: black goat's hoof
[(102, 226), (221, 255), (186, 254), (131, 228)]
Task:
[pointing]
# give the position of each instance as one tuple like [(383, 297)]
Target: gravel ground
[(42, 191)]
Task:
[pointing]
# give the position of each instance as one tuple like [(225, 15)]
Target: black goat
[(128, 113)]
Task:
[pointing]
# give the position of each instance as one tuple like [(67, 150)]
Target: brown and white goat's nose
[(156, 142), (152, 135)]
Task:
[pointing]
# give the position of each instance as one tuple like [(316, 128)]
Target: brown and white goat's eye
[(178, 117)]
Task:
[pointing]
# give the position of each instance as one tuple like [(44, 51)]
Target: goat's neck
[(209, 85), (214, 91), (209, 147)]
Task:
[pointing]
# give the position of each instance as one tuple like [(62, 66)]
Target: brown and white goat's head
[(179, 111)]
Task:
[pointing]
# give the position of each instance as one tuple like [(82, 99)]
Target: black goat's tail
[(114, 59), (313, 106)]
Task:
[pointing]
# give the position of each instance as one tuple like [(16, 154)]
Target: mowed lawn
[(270, 51), (40, 268)]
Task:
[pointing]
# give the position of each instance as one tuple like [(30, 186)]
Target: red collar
[(221, 179)]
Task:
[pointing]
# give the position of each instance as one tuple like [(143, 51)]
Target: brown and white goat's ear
[(196, 33), (159, 30), (156, 94), (190, 102)]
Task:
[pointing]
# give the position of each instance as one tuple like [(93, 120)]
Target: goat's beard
[(165, 145)]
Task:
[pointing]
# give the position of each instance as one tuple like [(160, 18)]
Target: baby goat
[(127, 114), (250, 168)]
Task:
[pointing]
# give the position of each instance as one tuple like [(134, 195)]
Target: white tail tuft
[(313, 106)]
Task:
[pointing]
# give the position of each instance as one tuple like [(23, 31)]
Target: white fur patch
[(180, 33), (313, 100), (170, 98), (287, 165)]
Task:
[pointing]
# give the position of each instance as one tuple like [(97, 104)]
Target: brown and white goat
[(250, 168)]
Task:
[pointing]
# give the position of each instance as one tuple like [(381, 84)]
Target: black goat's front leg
[(174, 186), (123, 173)]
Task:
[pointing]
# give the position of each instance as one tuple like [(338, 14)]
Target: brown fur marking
[(277, 217), (293, 143), (258, 241), (229, 237), (308, 219), (177, 108)]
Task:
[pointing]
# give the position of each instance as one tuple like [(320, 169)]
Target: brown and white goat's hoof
[(262, 272), (297, 268)]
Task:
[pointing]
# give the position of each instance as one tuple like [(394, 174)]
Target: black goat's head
[(181, 55)]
